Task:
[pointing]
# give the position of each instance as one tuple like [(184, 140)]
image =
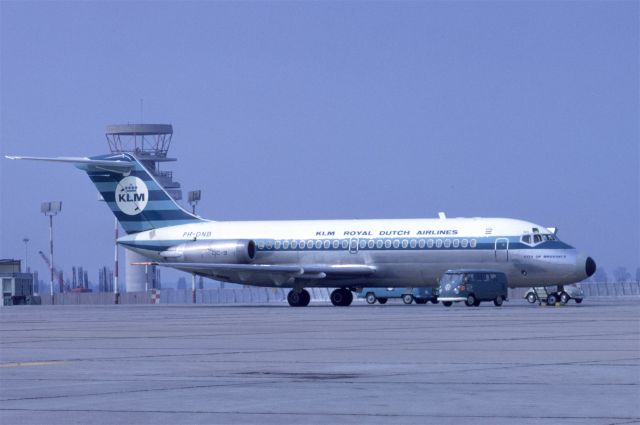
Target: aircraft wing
[(278, 272), (84, 163)]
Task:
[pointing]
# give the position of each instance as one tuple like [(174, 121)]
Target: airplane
[(342, 254)]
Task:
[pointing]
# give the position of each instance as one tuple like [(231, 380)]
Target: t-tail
[(135, 197)]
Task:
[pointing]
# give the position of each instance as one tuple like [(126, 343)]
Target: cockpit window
[(537, 238)]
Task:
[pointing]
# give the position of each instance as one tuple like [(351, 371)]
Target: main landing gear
[(298, 298), (340, 297)]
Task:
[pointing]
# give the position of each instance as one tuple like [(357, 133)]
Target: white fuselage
[(405, 253)]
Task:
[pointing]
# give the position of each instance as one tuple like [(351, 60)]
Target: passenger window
[(371, 244), (464, 243), (438, 243), (327, 244), (473, 243), (421, 243), (277, 244), (447, 243), (294, 244), (396, 243), (413, 243), (456, 243), (301, 244), (261, 245), (318, 244), (269, 244), (387, 243), (379, 243), (336, 244), (430, 243), (285, 244), (363, 243), (345, 244), (405, 243)]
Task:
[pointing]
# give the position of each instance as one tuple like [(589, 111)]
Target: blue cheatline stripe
[(139, 226), (102, 177), (151, 205), (486, 244), (153, 215), (154, 195)]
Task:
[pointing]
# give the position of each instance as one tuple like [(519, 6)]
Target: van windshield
[(451, 278)]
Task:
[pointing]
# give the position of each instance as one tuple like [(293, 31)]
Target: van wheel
[(471, 300), (578, 300), (531, 298), (435, 301), (447, 303), (382, 300), (564, 298), (552, 299), (407, 298), (420, 301), (371, 299), (498, 302)]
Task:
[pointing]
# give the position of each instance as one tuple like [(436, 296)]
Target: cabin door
[(502, 249)]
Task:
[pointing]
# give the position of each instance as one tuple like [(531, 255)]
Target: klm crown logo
[(131, 195), (131, 188)]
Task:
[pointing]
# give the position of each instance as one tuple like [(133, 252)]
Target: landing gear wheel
[(564, 298), (471, 300), (407, 298), (421, 301), (447, 303), (382, 300), (371, 299), (341, 297), (552, 299), (435, 301), (498, 301), (578, 300), (298, 298), (531, 298)]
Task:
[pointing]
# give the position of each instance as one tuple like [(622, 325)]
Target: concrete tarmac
[(272, 364)]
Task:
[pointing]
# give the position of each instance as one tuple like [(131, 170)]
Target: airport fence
[(255, 295), (248, 295)]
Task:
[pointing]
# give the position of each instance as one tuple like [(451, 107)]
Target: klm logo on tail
[(132, 195)]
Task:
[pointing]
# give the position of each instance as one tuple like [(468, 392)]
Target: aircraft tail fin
[(135, 197)]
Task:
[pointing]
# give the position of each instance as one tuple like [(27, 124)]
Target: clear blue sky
[(331, 110)]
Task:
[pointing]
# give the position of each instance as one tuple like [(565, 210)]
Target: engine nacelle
[(218, 252)]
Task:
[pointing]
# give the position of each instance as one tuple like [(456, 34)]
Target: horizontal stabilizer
[(84, 163)]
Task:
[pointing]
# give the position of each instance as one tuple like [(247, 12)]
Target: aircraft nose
[(589, 267)]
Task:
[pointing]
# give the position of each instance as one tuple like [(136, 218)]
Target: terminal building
[(17, 286)]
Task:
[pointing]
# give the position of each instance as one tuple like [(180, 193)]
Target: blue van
[(419, 295), (473, 287)]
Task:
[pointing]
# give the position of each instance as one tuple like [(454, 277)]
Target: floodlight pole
[(194, 197), (26, 254), (116, 292), (193, 287)]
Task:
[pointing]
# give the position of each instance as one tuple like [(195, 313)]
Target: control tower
[(150, 144)]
